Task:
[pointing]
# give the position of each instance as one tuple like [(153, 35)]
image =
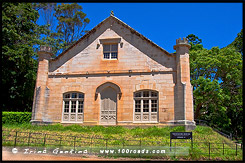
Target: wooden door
[(108, 114)]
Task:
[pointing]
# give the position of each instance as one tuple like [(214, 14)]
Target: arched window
[(146, 106), (73, 107)]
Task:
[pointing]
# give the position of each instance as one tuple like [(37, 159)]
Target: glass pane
[(137, 110), (80, 106), (145, 110), (153, 101), (106, 48), (114, 55), (145, 105), (146, 94), (66, 109), (106, 55), (66, 104), (74, 95), (80, 110), (153, 109), (81, 95), (137, 94), (153, 105), (67, 95), (73, 106), (153, 94), (137, 103), (137, 106), (114, 47)]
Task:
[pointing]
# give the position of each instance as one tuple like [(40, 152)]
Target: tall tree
[(65, 24), (19, 34), (47, 11), (71, 23), (50, 36), (238, 42), (194, 39), (216, 76), (21, 37)]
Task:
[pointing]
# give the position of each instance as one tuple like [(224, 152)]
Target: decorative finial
[(112, 13)]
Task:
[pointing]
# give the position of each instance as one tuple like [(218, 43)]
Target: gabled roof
[(119, 22)]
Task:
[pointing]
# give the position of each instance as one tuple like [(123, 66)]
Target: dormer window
[(110, 51)]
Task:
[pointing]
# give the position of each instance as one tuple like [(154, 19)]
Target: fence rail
[(18, 138)]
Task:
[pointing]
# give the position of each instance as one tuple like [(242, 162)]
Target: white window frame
[(70, 99), (110, 51), (150, 98)]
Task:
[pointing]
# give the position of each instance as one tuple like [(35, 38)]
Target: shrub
[(16, 117)]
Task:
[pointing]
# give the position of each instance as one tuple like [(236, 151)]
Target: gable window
[(73, 107), (145, 106), (110, 51)]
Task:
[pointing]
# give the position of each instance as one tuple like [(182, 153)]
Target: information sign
[(180, 135)]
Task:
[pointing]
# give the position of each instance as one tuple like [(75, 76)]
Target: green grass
[(119, 136), (99, 130)]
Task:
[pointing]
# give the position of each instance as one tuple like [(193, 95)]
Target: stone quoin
[(114, 75)]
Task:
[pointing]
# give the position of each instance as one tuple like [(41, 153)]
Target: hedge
[(16, 117)]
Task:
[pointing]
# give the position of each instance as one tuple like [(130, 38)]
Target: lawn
[(207, 144)]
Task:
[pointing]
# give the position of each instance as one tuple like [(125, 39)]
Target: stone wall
[(163, 83), (140, 66)]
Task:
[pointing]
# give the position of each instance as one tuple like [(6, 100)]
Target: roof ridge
[(111, 16), (140, 33), (87, 34)]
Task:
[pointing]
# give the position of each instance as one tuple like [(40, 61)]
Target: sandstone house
[(114, 75)]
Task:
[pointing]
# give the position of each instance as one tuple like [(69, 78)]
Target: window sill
[(70, 122), (146, 122), (109, 59)]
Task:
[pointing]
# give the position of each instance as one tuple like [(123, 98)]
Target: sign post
[(180, 135)]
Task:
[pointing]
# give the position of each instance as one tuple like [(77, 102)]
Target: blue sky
[(217, 24)]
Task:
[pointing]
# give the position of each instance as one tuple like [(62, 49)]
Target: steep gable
[(135, 51)]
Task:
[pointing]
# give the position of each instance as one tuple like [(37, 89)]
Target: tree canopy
[(71, 23), (19, 35), (65, 24), (22, 36), (238, 42), (216, 76)]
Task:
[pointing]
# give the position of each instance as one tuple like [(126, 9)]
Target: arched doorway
[(108, 102), (108, 106)]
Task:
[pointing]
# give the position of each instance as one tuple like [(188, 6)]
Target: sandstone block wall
[(140, 66)]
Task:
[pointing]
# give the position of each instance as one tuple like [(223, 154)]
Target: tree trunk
[(197, 112)]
